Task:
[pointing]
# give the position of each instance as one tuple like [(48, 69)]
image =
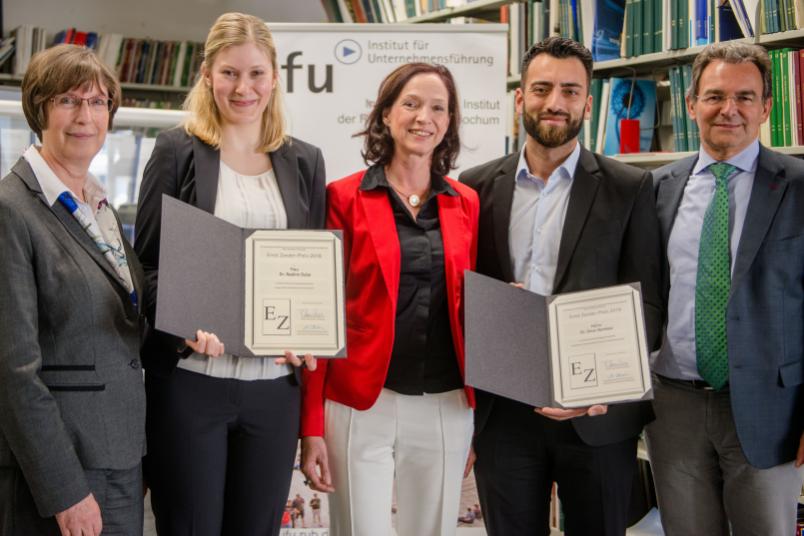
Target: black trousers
[(118, 493), (220, 452), (519, 456)]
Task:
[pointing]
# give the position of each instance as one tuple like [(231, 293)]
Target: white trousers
[(423, 441)]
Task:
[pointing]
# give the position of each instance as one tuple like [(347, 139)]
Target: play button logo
[(348, 51)]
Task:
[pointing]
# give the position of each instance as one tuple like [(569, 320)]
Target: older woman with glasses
[(72, 403)]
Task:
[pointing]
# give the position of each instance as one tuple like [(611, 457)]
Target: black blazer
[(184, 167), (610, 236)]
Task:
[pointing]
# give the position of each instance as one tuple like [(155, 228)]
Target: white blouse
[(254, 202)]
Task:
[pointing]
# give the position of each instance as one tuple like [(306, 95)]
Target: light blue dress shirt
[(537, 221), (677, 358)]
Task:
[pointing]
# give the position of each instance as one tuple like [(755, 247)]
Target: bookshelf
[(479, 8), (668, 70), (7, 79)]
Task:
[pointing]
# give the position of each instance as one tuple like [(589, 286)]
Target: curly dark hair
[(378, 146)]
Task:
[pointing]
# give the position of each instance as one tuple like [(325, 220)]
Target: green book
[(684, 24), (671, 75), (692, 127), (789, 15), (637, 37), (658, 10), (647, 26), (597, 90), (628, 30), (673, 24), (774, 118), (787, 98), (679, 113), (774, 16)]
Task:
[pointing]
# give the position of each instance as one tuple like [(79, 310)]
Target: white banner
[(330, 74)]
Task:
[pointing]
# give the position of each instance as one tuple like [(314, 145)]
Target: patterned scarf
[(103, 230)]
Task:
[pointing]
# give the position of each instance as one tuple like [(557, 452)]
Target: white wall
[(157, 19)]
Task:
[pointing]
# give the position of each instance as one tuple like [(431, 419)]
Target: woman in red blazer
[(397, 406)]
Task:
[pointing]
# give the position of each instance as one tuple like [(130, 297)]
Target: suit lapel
[(669, 195), (503, 197), (378, 216), (287, 177), (68, 221), (207, 162), (582, 194), (766, 195)]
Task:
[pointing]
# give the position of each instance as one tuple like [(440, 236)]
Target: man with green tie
[(726, 447)]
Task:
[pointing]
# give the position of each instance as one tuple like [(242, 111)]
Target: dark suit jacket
[(71, 393), (610, 236), (184, 167), (372, 258), (765, 312)]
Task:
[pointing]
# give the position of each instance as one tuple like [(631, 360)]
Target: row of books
[(147, 61), (785, 126), (686, 136), (28, 40), (140, 61), (614, 29), (384, 10)]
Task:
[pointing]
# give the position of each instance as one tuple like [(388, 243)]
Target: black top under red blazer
[(372, 260), (610, 236), (184, 167)]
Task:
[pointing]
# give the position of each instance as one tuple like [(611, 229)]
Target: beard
[(551, 136)]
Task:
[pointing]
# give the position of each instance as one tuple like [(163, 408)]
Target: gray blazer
[(765, 312), (71, 391)]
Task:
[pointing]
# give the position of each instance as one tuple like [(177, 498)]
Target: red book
[(360, 15), (79, 38)]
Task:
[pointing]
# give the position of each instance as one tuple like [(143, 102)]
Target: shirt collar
[(52, 187), (745, 160), (375, 178), (566, 169)]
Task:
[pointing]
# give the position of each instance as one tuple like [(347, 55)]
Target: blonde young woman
[(222, 429)]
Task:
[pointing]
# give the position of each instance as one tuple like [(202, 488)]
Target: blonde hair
[(58, 70), (204, 120)]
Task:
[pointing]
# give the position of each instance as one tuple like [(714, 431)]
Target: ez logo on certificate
[(276, 317)]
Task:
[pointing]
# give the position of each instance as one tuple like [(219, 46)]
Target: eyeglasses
[(715, 100), (96, 104)]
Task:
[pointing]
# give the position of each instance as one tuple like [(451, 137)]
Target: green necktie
[(713, 283)]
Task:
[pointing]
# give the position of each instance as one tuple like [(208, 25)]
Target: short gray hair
[(732, 52)]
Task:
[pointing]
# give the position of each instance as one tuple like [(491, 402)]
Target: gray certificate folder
[(507, 347), (202, 276)]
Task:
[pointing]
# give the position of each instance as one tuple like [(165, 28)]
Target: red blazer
[(372, 259)]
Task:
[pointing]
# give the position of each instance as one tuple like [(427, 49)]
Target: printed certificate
[(597, 346), (294, 297)]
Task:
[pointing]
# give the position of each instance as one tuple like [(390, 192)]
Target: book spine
[(787, 98), (799, 97)]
